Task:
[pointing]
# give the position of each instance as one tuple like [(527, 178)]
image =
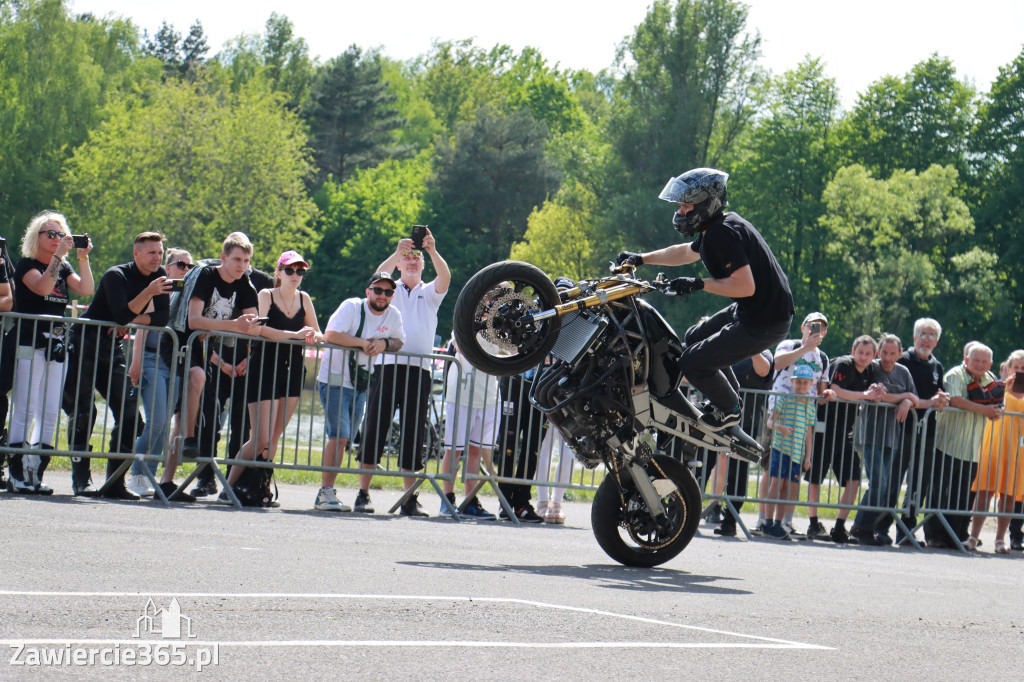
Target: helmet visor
[(679, 191)]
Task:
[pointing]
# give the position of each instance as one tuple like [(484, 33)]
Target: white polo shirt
[(419, 307)]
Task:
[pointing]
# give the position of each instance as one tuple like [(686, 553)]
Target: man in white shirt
[(405, 382), (372, 325)]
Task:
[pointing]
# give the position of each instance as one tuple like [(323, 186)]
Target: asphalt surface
[(293, 593)]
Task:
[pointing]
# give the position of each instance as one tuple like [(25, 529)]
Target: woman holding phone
[(276, 370), (1001, 462), (43, 281)]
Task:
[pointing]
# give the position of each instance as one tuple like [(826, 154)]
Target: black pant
[(220, 390), (950, 490), (717, 343), (402, 387), (520, 433), (96, 363), (8, 342), (1017, 523)]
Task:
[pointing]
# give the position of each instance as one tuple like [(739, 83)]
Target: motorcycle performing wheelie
[(612, 391)]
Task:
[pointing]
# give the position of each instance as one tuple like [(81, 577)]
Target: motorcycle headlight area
[(576, 337)]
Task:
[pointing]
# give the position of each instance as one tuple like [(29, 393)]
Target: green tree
[(998, 188), (55, 75), (351, 115), (194, 163), (685, 96), (781, 171), (560, 237), (911, 122), (892, 256), (182, 58), (277, 55), (361, 221)]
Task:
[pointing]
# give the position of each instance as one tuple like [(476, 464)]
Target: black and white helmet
[(702, 187)]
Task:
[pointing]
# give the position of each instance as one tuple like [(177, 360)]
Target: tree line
[(908, 204)]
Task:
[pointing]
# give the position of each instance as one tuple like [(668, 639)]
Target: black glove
[(684, 285), (629, 258)]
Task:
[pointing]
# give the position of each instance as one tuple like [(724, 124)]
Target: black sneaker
[(717, 420), (526, 514), (815, 530), (168, 490), (865, 536), (412, 507), (363, 504), (43, 489), (119, 492), (839, 535), (190, 448), (83, 488), (475, 510), (204, 488)]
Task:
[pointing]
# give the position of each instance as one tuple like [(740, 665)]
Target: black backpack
[(253, 487)]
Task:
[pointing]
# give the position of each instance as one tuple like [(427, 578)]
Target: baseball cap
[(562, 283), (291, 258), (811, 317), (803, 372), (382, 276)]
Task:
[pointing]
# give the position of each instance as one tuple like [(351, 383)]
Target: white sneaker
[(327, 500), (139, 484)]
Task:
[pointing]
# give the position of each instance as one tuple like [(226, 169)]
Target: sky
[(860, 42)]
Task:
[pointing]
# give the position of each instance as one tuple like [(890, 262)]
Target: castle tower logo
[(168, 622)]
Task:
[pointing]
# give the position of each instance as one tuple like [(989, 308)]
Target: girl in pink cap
[(276, 369)]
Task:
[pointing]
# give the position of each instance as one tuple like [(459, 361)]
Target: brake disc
[(494, 330)]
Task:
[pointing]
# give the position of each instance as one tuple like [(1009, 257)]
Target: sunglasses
[(415, 253), (381, 291), (53, 234), (294, 271), (182, 264)]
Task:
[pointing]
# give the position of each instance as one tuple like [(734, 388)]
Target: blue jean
[(882, 490), (153, 396), (343, 410)]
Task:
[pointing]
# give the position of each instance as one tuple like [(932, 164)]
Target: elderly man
[(974, 392), (878, 438), (404, 382)]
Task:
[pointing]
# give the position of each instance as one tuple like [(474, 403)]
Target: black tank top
[(278, 320)]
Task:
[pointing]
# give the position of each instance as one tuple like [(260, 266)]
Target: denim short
[(783, 466), (343, 408)]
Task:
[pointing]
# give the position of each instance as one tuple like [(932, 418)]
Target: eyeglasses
[(182, 264), (53, 234), (415, 253), (294, 271), (381, 291), (928, 336)]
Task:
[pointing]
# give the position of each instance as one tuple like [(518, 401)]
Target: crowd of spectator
[(848, 417)]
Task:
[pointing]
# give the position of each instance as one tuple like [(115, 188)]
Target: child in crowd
[(793, 418)]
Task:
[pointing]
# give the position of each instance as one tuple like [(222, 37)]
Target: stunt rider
[(742, 268)]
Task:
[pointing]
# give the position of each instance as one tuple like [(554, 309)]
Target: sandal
[(1002, 547), (554, 513), (971, 543)]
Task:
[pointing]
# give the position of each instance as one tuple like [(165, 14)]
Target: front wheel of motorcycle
[(493, 324), (628, 534)]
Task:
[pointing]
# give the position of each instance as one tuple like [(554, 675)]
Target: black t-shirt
[(223, 300), (118, 287), (927, 374), (843, 373), (27, 301), (727, 244)]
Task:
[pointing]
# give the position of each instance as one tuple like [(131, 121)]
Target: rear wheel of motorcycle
[(489, 314), (628, 534)]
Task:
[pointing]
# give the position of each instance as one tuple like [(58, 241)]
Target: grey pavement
[(297, 593)]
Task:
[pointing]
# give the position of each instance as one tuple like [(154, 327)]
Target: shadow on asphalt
[(611, 576)]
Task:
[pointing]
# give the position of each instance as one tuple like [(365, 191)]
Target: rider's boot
[(719, 420)]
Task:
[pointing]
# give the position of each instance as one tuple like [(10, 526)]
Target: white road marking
[(757, 640)]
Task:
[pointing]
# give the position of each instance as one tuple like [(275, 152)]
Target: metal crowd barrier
[(940, 489)]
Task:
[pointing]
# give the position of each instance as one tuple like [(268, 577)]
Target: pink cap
[(291, 258)]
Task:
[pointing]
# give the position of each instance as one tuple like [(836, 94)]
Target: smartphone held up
[(419, 233)]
